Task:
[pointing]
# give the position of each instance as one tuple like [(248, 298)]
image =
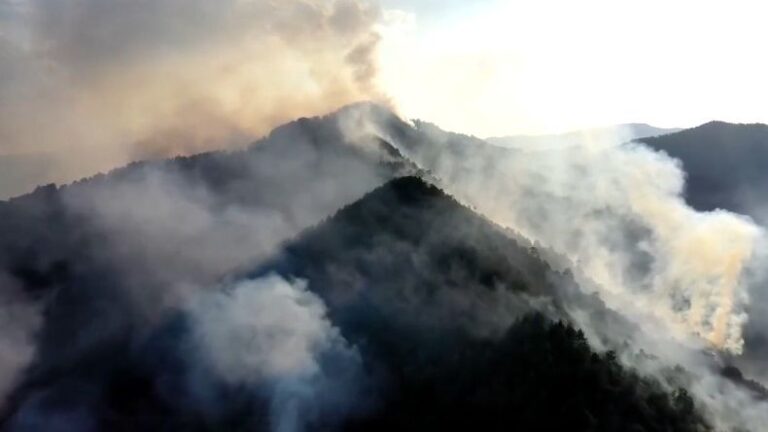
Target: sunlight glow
[(547, 66)]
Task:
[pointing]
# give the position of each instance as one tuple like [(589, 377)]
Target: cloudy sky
[(500, 67), (89, 85)]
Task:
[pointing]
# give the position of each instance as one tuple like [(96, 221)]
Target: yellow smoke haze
[(95, 84), (705, 254)]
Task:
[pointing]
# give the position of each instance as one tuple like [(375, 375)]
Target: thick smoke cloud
[(89, 84), (176, 232), (273, 333), (617, 212), (123, 253), (186, 223)]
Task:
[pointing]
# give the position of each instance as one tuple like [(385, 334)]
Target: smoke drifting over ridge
[(89, 84), (689, 280), (124, 252), (617, 212), (272, 334)]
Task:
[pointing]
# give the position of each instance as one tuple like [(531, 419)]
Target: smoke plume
[(87, 85), (617, 212), (273, 333), (123, 253)]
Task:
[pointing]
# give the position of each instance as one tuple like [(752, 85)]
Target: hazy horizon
[(395, 215)]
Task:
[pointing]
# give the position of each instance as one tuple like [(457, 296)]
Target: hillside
[(412, 247), (429, 309), (450, 308), (453, 328)]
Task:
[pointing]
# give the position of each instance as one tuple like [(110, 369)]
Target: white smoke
[(617, 212), (176, 231), (185, 233), (20, 319), (275, 333)]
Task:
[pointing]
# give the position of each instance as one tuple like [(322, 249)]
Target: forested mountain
[(317, 280), (453, 312), (453, 329), (92, 267), (297, 175)]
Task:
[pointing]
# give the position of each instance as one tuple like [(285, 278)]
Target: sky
[(493, 68), (90, 85)]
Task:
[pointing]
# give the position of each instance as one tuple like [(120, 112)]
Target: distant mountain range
[(725, 165), (432, 316)]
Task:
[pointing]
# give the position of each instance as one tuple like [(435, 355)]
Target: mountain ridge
[(391, 256), (724, 163)]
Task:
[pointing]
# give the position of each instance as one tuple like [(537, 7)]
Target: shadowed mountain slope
[(300, 173), (438, 301), (726, 166), (435, 299)]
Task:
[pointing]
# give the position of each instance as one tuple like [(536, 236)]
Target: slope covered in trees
[(455, 322), (439, 301)]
